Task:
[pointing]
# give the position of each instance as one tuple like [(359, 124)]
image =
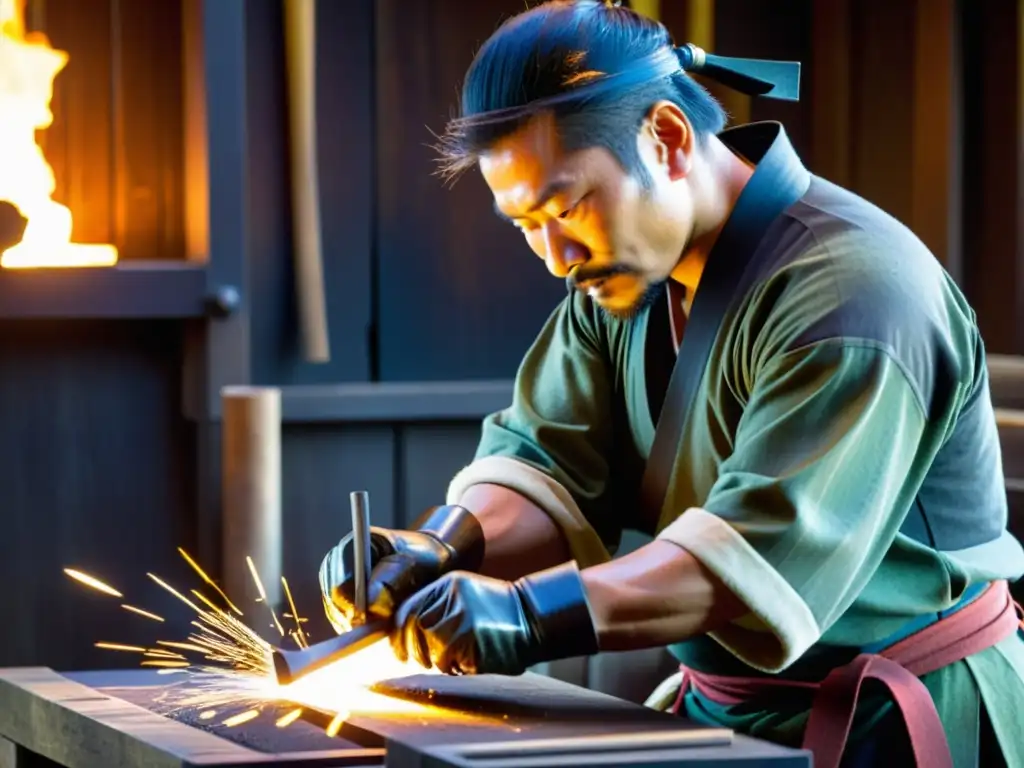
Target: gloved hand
[(444, 539), (465, 623)]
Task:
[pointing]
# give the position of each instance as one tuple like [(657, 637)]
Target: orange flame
[(28, 65)]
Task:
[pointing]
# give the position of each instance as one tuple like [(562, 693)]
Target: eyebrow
[(549, 191)]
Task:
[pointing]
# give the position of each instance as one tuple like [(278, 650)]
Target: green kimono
[(840, 471)]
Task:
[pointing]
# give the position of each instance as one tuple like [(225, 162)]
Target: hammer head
[(292, 665)]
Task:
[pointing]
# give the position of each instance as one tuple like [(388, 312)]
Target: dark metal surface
[(109, 718)]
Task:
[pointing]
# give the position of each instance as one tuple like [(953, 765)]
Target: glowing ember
[(336, 723), (91, 581), (140, 612), (28, 65), (119, 647), (244, 717), (291, 717)]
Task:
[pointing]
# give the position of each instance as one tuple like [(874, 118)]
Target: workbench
[(123, 718)]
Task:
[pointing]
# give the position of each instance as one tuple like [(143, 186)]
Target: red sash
[(986, 621)]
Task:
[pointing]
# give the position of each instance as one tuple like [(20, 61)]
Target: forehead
[(520, 164)]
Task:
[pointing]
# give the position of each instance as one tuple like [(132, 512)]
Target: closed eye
[(573, 208)]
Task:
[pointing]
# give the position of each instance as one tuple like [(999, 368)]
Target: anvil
[(121, 718)]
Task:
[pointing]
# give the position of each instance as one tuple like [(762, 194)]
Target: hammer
[(291, 665)]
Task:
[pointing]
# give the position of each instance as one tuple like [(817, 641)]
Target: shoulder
[(845, 271)]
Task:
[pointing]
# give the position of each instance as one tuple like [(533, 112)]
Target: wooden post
[(300, 55), (251, 493)]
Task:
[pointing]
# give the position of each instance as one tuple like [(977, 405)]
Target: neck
[(717, 184)]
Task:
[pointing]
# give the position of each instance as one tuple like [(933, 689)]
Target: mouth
[(592, 286)]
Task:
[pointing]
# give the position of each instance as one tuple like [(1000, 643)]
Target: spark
[(156, 653), (335, 725), (243, 717), (181, 646), (175, 592), (92, 581), (120, 647), (263, 594), (297, 635), (203, 575), (291, 717), (228, 664), (141, 612), (208, 714)]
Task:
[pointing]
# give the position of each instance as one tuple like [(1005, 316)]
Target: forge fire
[(28, 66)]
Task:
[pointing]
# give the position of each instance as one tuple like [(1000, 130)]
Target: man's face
[(590, 220)]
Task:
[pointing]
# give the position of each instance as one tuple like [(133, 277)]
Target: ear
[(672, 136)]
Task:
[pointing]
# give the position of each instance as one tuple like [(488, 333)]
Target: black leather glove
[(469, 624), (444, 539)]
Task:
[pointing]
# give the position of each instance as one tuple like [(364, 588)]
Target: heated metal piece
[(291, 665), (360, 501)]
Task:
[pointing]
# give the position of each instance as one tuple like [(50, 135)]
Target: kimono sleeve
[(552, 444), (828, 456)]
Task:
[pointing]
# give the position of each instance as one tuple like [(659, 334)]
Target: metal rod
[(291, 665), (360, 501)]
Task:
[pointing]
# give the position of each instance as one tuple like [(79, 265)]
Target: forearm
[(656, 596), (520, 536)]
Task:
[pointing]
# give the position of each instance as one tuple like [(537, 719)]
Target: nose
[(561, 253)]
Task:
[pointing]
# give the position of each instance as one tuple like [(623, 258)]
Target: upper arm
[(552, 444), (844, 417)]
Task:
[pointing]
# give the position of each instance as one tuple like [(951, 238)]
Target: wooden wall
[(100, 466), (116, 140)]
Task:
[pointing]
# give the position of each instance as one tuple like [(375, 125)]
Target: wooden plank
[(79, 144), (459, 296), (1006, 380), (881, 104), (321, 465), (993, 39), (148, 127), (828, 80), (396, 401), (429, 457), (935, 133), (345, 114), (133, 289), (75, 725), (94, 467)]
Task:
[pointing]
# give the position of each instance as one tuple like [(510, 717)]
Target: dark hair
[(559, 48)]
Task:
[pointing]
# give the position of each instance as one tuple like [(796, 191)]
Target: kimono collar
[(778, 181)]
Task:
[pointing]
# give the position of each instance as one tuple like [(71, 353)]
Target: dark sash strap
[(767, 194)]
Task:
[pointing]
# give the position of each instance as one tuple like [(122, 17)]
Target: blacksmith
[(821, 472)]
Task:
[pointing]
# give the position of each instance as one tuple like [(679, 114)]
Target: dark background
[(110, 443)]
